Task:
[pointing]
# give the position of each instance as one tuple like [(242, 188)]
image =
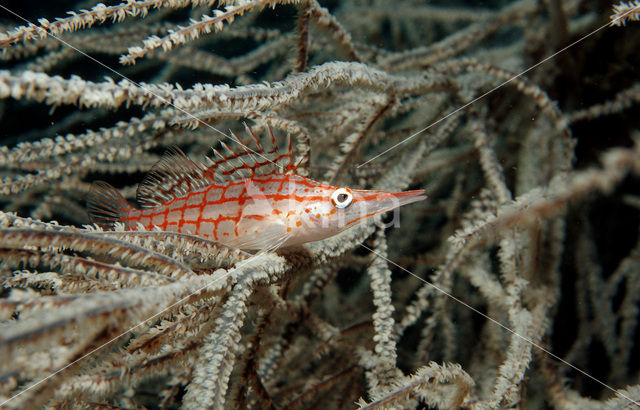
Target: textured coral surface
[(515, 284)]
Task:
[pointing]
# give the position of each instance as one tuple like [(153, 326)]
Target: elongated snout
[(380, 201), (369, 203)]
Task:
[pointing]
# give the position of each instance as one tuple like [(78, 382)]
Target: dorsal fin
[(246, 159), (174, 176)]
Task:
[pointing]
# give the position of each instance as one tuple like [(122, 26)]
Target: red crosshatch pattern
[(239, 201), (215, 211)]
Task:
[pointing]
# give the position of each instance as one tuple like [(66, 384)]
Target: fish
[(250, 199)]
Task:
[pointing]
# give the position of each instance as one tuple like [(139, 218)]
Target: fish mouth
[(409, 197)]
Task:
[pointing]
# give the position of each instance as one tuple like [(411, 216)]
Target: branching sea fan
[(202, 204)]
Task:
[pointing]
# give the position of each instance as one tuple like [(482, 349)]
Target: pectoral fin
[(266, 236)]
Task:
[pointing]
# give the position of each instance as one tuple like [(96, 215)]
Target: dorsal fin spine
[(273, 140), (255, 139), (232, 152), (171, 177), (218, 154), (290, 167), (238, 141), (175, 174), (248, 151)]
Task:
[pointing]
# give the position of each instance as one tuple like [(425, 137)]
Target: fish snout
[(386, 201)]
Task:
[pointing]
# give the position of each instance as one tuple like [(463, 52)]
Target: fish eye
[(341, 198)]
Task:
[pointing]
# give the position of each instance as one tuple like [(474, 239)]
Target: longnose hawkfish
[(251, 200)]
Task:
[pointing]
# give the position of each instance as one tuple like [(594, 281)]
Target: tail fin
[(105, 205)]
